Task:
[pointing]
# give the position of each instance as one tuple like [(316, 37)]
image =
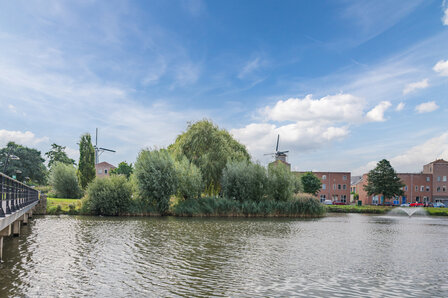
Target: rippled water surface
[(346, 255)]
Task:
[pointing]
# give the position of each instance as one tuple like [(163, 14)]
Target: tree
[(64, 180), (109, 196), (383, 180), (189, 179), (123, 169), (311, 183), (209, 148), (156, 178), (244, 181), (22, 162), (86, 165), (57, 154), (281, 182)]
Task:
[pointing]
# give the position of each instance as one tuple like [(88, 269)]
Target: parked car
[(429, 204), (404, 205), (416, 204), (439, 205), (328, 202)]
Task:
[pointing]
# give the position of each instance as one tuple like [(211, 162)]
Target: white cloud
[(337, 108), (416, 85), (377, 113), (26, 138), (412, 160), (187, 73), (441, 67), (250, 67), (399, 107), (445, 17), (426, 107)]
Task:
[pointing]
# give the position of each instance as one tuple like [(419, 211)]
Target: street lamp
[(8, 157)]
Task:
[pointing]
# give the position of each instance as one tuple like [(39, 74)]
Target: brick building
[(103, 169), (439, 171), (335, 186)]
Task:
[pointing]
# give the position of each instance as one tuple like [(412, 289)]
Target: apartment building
[(335, 186)]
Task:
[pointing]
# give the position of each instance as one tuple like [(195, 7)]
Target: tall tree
[(86, 166), (22, 162), (57, 154), (209, 148), (383, 180), (311, 183), (123, 169)]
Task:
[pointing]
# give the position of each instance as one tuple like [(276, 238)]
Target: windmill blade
[(104, 149), (282, 152), (278, 139), (269, 154)]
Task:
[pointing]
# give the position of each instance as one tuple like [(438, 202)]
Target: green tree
[(189, 179), (86, 165), (383, 180), (29, 164), (109, 196), (209, 148), (311, 183), (244, 181), (123, 169), (281, 182), (156, 178), (64, 180), (57, 154)]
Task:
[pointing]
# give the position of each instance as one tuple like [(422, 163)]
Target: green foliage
[(156, 178), (110, 195), (189, 179), (281, 182), (57, 154), (358, 209), (54, 210), (30, 163), (311, 183), (244, 181), (209, 148), (86, 165), (64, 181), (298, 187), (298, 206), (384, 180), (123, 169)]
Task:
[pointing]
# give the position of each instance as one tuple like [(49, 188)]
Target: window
[(324, 186), (438, 178), (444, 188), (417, 199), (438, 188), (422, 188), (339, 186), (105, 171), (322, 198), (425, 199), (444, 178), (427, 179), (334, 186), (100, 171), (416, 188), (427, 188), (324, 177), (405, 188), (335, 198), (344, 177), (343, 198), (344, 186)]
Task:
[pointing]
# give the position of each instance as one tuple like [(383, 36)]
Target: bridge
[(16, 206)]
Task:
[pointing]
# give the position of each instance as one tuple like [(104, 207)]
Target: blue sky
[(344, 83)]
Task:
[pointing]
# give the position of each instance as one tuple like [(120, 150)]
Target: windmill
[(279, 155), (99, 150)]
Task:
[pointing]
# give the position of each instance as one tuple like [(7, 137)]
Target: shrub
[(244, 181), (55, 210), (311, 183), (281, 182), (109, 196), (64, 181), (156, 178), (189, 179)]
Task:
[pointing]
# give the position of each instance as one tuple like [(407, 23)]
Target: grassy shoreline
[(378, 209)]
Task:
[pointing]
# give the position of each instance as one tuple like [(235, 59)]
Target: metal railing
[(15, 195)]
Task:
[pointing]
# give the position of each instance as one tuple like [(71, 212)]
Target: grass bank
[(437, 211), (223, 207), (358, 209), (63, 206)]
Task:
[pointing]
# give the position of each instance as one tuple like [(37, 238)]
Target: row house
[(335, 186)]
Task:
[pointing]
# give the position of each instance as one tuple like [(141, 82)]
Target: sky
[(344, 83)]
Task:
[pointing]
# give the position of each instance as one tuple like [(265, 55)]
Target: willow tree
[(86, 166), (209, 148)]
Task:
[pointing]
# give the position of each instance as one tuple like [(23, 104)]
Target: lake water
[(339, 255)]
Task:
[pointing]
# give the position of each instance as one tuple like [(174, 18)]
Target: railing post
[(13, 197), (2, 213), (7, 195)]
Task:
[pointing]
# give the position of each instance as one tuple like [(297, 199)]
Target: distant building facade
[(103, 169), (335, 186)]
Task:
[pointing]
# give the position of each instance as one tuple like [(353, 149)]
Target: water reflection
[(343, 255)]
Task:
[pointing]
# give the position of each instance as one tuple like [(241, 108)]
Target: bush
[(189, 179), (156, 178), (64, 181), (244, 181), (55, 210), (109, 196), (311, 183), (281, 182)]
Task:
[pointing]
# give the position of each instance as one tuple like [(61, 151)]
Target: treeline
[(204, 172)]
